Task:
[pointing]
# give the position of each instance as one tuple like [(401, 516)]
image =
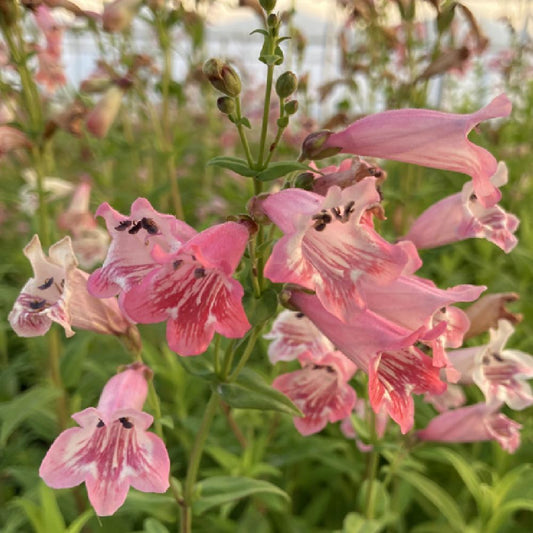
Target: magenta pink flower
[(385, 351), (474, 423), (293, 334), (320, 391), (462, 216), (129, 257), (327, 249), (58, 293), (451, 398), (423, 137), (111, 449), (192, 289)]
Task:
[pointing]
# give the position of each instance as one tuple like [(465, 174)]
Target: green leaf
[(276, 170), (240, 166), (439, 497), (259, 310), (356, 523), (32, 511), (151, 525), (517, 476), (463, 468), (261, 31), (51, 515), (30, 402), (77, 525), (251, 391), (505, 511), (219, 490)]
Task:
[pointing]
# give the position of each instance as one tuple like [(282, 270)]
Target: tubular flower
[(129, 257), (383, 350), (462, 216), (474, 423), (423, 137), (58, 293), (292, 334), (501, 374), (89, 241), (320, 391), (111, 449), (193, 291), (327, 249)]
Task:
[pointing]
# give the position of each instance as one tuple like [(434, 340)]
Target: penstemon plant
[(357, 334)]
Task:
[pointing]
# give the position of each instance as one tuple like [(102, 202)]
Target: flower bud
[(291, 107), (272, 20), (304, 181), (286, 84), (312, 146), (226, 105), (222, 77), (268, 5), (118, 15), (104, 112)]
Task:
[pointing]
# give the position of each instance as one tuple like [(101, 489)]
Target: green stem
[(55, 373), (247, 352), (194, 462), (266, 113), (242, 133)]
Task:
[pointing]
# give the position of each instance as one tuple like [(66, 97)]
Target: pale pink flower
[(319, 390), (89, 241), (111, 450), (500, 373), (129, 257), (479, 422), (462, 216), (192, 289), (58, 293), (12, 139), (350, 171), (118, 15), (293, 334), (451, 398), (327, 249), (104, 113), (423, 137)]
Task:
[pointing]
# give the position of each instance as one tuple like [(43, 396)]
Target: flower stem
[(266, 114), (242, 133), (247, 352), (194, 462), (372, 464)]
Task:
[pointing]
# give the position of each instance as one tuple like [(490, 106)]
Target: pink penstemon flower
[(57, 292), (385, 351), (192, 289), (423, 137), (327, 249), (500, 373), (319, 390), (89, 241), (462, 216), (293, 334), (474, 423), (111, 449), (12, 139), (129, 257)]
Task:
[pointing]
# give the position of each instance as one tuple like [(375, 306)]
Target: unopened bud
[(291, 107), (312, 147), (118, 15), (304, 181), (226, 105), (104, 112), (286, 84), (272, 20), (268, 5), (222, 77)]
